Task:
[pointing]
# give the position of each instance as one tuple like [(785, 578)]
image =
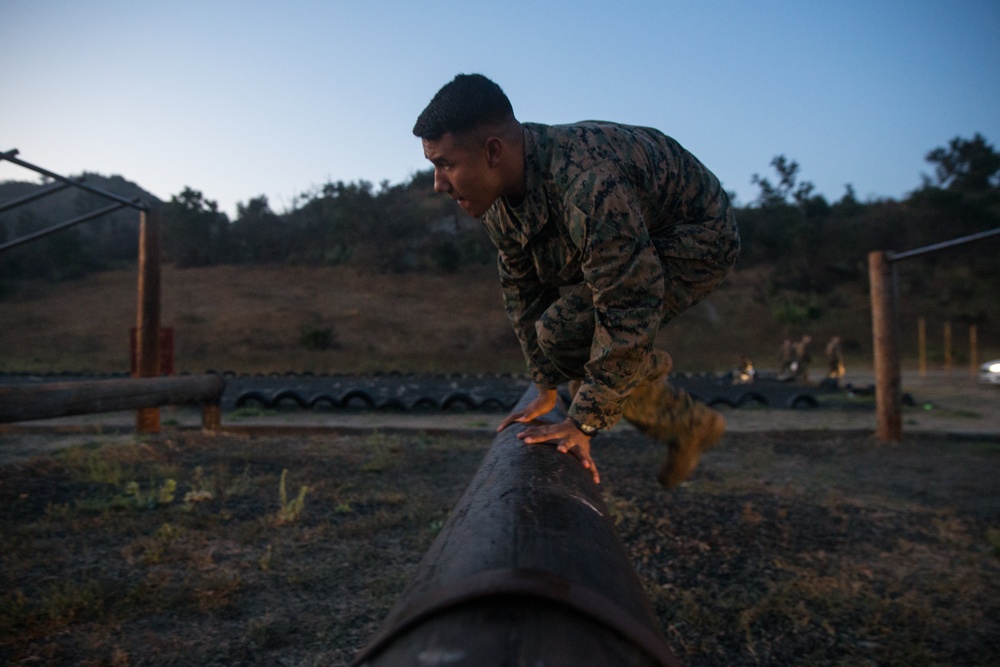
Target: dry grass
[(813, 549), (252, 319), (819, 549), (219, 551)]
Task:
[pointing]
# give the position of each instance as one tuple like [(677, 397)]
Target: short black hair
[(466, 102)]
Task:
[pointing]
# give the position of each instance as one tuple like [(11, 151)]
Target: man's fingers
[(514, 419), (585, 460), (547, 434)]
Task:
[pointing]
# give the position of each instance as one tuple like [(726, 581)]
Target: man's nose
[(441, 184)]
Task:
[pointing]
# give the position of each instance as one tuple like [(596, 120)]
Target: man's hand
[(539, 407), (569, 440)]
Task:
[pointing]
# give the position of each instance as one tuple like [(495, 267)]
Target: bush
[(314, 338)]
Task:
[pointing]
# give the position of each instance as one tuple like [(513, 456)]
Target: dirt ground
[(800, 539)]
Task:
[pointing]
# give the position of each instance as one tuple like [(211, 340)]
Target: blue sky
[(241, 99)]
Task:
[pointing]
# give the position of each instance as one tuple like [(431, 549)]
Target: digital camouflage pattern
[(621, 230)]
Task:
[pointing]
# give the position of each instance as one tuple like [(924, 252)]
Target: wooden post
[(148, 316), (947, 347), (922, 346), (888, 397), (211, 417), (973, 350)]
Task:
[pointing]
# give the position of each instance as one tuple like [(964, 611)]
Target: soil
[(800, 539)]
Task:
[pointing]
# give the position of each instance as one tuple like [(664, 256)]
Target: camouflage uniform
[(620, 231)]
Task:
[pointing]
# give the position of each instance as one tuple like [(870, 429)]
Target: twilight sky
[(241, 99)]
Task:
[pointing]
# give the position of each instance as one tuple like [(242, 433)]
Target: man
[(604, 232)]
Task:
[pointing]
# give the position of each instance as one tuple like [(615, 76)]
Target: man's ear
[(494, 150)]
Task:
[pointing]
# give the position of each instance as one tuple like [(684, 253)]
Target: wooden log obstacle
[(47, 400), (527, 570)]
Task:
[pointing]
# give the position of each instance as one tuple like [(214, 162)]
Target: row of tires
[(362, 399)]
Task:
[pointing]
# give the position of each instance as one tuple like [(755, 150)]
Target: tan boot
[(705, 427), (688, 427)]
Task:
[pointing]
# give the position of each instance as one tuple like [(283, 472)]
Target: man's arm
[(623, 270), (525, 299)]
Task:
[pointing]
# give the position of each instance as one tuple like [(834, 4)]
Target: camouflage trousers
[(695, 262)]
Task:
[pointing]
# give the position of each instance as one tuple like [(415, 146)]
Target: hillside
[(359, 278), (276, 319)]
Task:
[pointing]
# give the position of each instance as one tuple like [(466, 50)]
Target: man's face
[(462, 170)]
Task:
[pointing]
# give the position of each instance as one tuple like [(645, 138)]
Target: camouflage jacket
[(603, 207)]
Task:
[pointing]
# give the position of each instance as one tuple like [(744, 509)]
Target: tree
[(195, 230), (788, 190), (262, 236), (966, 165)]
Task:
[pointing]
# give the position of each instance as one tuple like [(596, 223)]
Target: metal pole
[(896, 256), (148, 316), (888, 397), (44, 192), (9, 156), (61, 226)]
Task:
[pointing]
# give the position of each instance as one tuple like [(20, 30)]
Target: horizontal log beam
[(528, 569), (28, 401)]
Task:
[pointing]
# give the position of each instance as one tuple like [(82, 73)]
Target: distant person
[(786, 358), (604, 233), (745, 372), (834, 359), (802, 358)]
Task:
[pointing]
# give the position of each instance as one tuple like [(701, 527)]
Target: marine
[(604, 232)]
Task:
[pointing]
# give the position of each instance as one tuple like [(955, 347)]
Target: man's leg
[(687, 426), (566, 331), (695, 261)]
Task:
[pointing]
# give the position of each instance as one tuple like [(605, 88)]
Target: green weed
[(163, 495), (289, 511), (385, 453)]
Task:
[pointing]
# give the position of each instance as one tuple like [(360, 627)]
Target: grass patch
[(102, 542), (782, 550)]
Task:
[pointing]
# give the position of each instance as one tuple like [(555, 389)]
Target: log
[(24, 402), (528, 569)]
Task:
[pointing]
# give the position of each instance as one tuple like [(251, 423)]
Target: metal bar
[(47, 400), (37, 195), (10, 157), (528, 566), (896, 256), (111, 208)]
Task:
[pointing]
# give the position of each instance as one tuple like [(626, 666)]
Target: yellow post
[(973, 350), (947, 347), (922, 346)]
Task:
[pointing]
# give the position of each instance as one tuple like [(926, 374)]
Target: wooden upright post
[(148, 317), (888, 397), (973, 350), (947, 347)]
